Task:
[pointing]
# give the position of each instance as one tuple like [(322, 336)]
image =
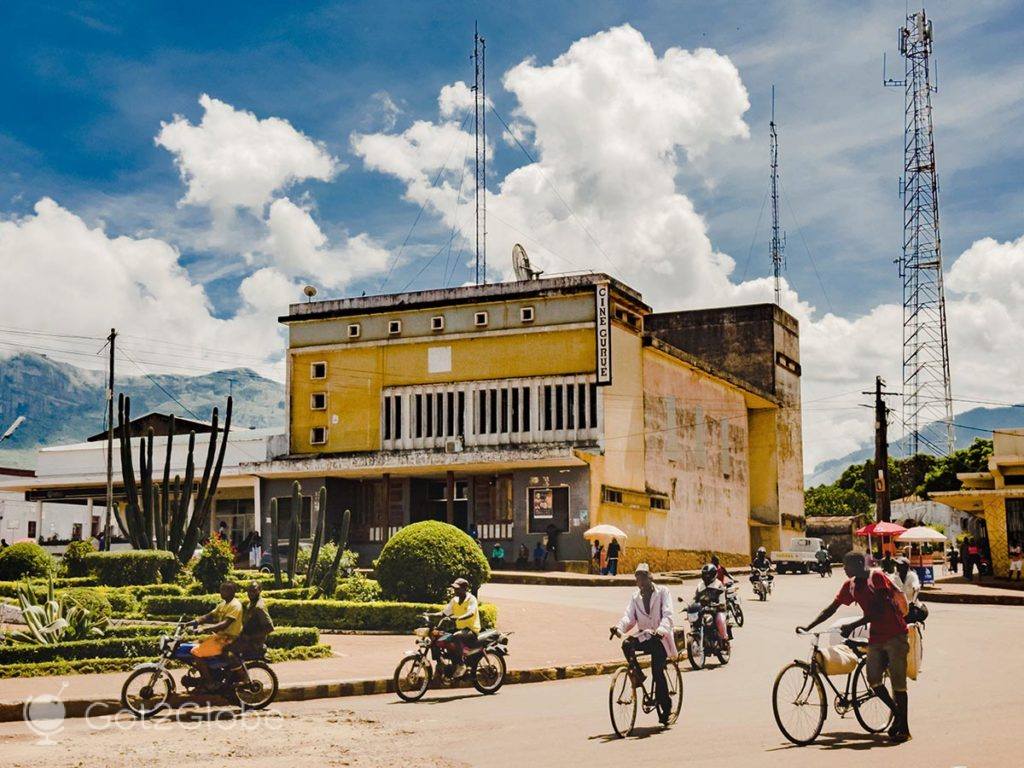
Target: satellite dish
[(521, 264), (310, 291)]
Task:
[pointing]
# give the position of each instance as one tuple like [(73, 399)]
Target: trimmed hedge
[(139, 646), (10, 588), (142, 566), (421, 561), (95, 666), (323, 614), (25, 558), (74, 557), (91, 599)]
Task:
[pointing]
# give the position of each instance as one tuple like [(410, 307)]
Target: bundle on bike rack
[(837, 659)]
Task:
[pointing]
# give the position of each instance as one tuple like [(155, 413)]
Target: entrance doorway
[(436, 503)]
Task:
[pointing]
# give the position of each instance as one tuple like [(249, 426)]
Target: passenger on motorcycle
[(721, 573), (650, 611), (226, 619), (465, 610), (761, 562), (256, 625), (710, 583)]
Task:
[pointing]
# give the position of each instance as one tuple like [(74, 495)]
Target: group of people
[(605, 560), (545, 550)]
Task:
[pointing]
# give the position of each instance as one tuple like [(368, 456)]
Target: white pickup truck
[(799, 557)]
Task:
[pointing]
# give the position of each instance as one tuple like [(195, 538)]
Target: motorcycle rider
[(761, 562), (710, 583), (824, 560), (650, 611), (465, 610), (226, 619)]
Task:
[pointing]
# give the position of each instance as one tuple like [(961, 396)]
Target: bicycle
[(799, 698), (622, 697)]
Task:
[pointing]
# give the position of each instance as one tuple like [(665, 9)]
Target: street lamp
[(13, 428)]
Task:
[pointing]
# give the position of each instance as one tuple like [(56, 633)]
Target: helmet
[(762, 551), (714, 560), (708, 573)]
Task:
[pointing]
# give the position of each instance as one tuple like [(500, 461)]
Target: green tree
[(942, 476), (830, 500)]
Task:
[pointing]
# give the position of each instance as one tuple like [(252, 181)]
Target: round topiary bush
[(74, 558), (24, 558), (420, 562), (214, 564)]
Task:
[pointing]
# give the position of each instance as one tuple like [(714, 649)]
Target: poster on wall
[(603, 333), (549, 507), (541, 503)]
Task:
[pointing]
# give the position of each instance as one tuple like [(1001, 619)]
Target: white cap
[(642, 568)]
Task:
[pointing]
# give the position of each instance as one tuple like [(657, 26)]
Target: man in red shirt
[(884, 607)]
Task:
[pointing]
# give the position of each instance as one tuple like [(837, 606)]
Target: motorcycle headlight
[(421, 631), (165, 644)]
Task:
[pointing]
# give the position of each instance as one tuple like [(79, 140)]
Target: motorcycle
[(483, 661), (150, 686), (732, 603), (762, 581), (705, 635), (823, 567)]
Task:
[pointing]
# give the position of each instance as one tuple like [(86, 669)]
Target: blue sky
[(88, 85)]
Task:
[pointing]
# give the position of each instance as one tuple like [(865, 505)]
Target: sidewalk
[(565, 579), (959, 590)]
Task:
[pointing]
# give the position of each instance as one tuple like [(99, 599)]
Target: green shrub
[(25, 558), (10, 588), (421, 561), (325, 560), (122, 601), (140, 591), (91, 599), (214, 564), (358, 589), (172, 607), (143, 566), (74, 558)]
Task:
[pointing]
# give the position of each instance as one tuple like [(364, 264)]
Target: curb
[(15, 711), (968, 599), (552, 578)]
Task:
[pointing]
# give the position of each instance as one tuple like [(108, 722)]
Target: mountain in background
[(969, 426), (62, 403)]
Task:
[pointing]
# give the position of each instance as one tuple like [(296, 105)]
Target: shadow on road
[(843, 740), (442, 699), (643, 732)]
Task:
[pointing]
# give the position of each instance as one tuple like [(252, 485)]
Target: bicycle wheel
[(674, 678), (799, 704), (871, 712), (622, 702)]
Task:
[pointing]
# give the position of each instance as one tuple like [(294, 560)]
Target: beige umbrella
[(921, 534), (604, 532)]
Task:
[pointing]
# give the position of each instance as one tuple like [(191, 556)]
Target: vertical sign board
[(603, 333)]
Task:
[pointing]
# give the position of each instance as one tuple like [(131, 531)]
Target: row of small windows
[(498, 410), (437, 323)]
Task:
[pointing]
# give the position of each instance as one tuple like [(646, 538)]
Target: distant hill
[(62, 403), (968, 424)]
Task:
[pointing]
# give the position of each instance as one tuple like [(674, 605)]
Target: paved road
[(965, 710)]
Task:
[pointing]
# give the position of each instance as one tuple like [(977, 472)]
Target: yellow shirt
[(229, 610), (466, 613)]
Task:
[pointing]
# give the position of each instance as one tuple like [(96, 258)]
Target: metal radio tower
[(927, 401), (480, 129), (778, 237)]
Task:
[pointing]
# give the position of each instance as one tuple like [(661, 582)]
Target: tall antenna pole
[(480, 129), (110, 442), (927, 398), (778, 238)]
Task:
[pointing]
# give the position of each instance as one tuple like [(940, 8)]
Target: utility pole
[(480, 161), (882, 508), (110, 442), (778, 237)]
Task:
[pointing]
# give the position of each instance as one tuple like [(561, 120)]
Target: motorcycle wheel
[(412, 677), (147, 692), (737, 614), (489, 673), (259, 692), (724, 653), (695, 653), (762, 594)]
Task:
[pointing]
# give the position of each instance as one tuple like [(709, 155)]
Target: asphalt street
[(964, 709)]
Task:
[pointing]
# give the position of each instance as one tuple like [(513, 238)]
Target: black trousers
[(653, 646)]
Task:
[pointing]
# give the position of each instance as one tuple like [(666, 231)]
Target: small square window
[(437, 323), (318, 436), (318, 370), (354, 330), (526, 314), (613, 497), (318, 401), (659, 502), (394, 327), (480, 319)]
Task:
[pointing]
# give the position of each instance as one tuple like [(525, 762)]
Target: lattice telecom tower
[(778, 244), (480, 130), (927, 399)]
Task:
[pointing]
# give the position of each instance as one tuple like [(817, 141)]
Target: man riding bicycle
[(649, 611), (465, 610)]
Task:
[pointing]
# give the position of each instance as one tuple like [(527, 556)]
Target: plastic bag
[(837, 659), (915, 654)]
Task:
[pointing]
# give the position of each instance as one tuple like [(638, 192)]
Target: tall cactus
[(293, 532), (275, 554), (330, 579), (169, 516), (321, 514)]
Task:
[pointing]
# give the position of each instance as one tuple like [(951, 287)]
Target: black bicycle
[(623, 697), (800, 702)]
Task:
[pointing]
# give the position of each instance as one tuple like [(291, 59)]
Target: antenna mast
[(480, 129), (927, 399), (778, 237)]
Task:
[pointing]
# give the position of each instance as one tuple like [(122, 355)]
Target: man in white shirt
[(650, 612), (907, 580)]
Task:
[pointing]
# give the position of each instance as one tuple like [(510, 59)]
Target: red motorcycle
[(438, 656)]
